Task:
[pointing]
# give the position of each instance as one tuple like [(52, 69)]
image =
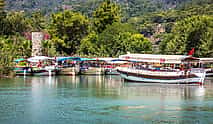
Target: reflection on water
[(102, 100)]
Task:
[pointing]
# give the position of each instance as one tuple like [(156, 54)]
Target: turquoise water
[(102, 100)]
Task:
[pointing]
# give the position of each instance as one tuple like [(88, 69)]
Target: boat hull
[(209, 72), (92, 71), (110, 71), (178, 79), (69, 71), (23, 71), (46, 71)]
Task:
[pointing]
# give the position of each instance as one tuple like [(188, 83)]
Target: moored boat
[(207, 64), (168, 69), (43, 66), (111, 64), (68, 65), (91, 66), (22, 67)]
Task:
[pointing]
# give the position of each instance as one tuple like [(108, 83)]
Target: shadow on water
[(102, 99)]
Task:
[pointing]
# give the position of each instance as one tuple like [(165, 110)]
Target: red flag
[(191, 52)]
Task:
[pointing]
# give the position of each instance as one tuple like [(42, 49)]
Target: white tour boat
[(43, 66), (207, 65), (166, 69)]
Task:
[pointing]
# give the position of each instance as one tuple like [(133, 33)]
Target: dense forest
[(130, 7), (105, 27)]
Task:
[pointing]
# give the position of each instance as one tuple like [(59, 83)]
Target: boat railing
[(197, 70), (156, 69), (50, 67)]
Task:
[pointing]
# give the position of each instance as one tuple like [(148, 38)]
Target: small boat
[(111, 64), (209, 72), (43, 66), (168, 69), (68, 65), (207, 64), (22, 67), (91, 66)]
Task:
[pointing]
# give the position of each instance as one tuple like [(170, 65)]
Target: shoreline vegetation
[(109, 30)]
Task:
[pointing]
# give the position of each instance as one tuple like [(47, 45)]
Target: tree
[(135, 8), (106, 14), (37, 21), (2, 14), (1, 5), (136, 43), (12, 47), (193, 32), (89, 45), (67, 29), (120, 38), (48, 48), (14, 23)]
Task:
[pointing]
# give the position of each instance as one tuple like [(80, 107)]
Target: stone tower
[(37, 38)]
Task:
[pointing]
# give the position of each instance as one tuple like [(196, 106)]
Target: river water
[(102, 100)]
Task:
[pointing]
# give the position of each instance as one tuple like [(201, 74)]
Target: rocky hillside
[(132, 7), (46, 6)]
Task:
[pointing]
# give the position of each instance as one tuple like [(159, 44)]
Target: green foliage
[(134, 8), (147, 23), (10, 49), (120, 38), (106, 14), (67, 29), (2, 14), (116, 39), (17, 23), (89, 45), (193, 32), (85, 7), (29, 6), (134, 43), (14, 23), (1, 5), (17, 45), (48, 48), (37, 21)]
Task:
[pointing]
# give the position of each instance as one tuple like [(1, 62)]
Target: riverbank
[(7, 72)]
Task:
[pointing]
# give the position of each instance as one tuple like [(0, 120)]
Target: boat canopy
[(59, 59), (87, 59), (19, 60), (113, 60), (105, 59), (153, 58), (118, 62), (206, 60), (39, 58)]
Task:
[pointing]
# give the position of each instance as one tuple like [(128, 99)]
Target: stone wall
[(37, 38)]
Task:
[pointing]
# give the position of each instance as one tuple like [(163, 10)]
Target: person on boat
[(39, 64), (181, 67), (56, 64)]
